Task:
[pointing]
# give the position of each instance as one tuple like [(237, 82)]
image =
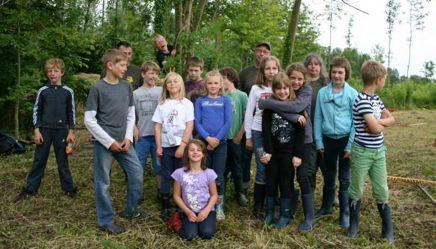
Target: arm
[(353, 130), (96, 131), (71, 110), (318, 120), (386, 118), (185, 138), (198, 119), (177, 193), (372, 123), (249, 112), (296, 106), (128, 138), (37, 109), (158, 138), (228, 111), (212, 201)]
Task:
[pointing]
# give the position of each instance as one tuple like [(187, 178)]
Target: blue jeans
[(169, 164), (205, 229), (102, 164), (216, 160), (145, 146), (256, 136), (334, 151)]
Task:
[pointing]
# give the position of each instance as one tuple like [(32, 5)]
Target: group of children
[(293, 122)]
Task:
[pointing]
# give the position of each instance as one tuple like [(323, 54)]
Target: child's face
[(314, 68), (271, 70), (195, 154), (161, 43), (337, 75), (297, 79), (173, 85), (194, 73), (381, 82), (150, 77), (128, 52), (282, 93), (213, 85), (118, 69), (55, 75)]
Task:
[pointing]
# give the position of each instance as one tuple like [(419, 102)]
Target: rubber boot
[(328, 195), (270, 210), (220, 216), (259, 200), (344, 210), (387, 226), (353, 229), (165, 213), (307, 224), (295, 194), (285, 215)]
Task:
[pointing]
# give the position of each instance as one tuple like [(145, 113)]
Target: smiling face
[(118, 69), (55, 75), (173, 86), (282, 93), (297, 79), (195, 153), (213, 85), (337, 76), (314, 68), (271, 70), (150, 77)]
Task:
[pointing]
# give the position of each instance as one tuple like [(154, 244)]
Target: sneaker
[(220, 216), (138, 215), (111, 228), (242, 200), (24, 194), (71, 193)]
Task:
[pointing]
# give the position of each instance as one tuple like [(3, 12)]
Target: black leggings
[(309, 160), (280, 174)]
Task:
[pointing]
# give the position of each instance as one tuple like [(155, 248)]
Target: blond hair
[(165, 94), (150, 66), (54, 63), (212, 73), (371, 70), (114, 56)]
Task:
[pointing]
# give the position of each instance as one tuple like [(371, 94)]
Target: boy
[(368, 157), (194, 85), (163, 50), (146, 99), (110, 118), (54, 121), (234, 151)]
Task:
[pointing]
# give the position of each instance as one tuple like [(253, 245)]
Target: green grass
[(52, 220)]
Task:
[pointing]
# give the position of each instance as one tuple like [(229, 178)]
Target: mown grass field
[(52, 220)]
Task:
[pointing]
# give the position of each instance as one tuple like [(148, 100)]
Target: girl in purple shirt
[(195, 193)]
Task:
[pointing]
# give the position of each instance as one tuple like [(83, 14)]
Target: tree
[(429, 69), (378, 53), (392, 10), (349, 34), (288, 47)]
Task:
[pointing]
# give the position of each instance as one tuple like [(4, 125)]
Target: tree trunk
[(292, 30), (198, 15), (17, 100)]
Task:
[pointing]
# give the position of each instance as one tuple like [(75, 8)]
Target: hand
[(71, 138), (302, 121), (296, 161), (125, 145), (213, 141), (347, 154), (237, 140), (249, 144), (180, 151), (321, 151), (173, 52), (265, 158), (116, 147), (135, 134), (38, 137), (159, 152), (202, 215), (191, 216), (210, 147)]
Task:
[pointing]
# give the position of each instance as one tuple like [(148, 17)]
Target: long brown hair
[(200, 144), (282, 80), (260, 80)]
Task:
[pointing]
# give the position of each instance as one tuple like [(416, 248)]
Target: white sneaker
[(220, 216)]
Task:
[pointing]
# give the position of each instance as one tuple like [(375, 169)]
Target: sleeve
[(198, 119), (266, 131), (228, 112), (251, 106), (318, 119), (157, 115), (363, 106), (90, 120), (211, 175), (299, 140), (190, 110), (244, 100), (298, 105), (176, 175), (382, 105), (353, 130), (130, 123), (71, 110), (37, 108), (135, 100)]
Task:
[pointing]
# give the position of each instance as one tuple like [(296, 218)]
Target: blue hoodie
[(334, 115)]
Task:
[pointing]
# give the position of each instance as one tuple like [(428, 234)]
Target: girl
[(283, 143), (195, 193), (213, 118), (173, 119), (316, 78), (268, 68), (334, 134), (289, 110)]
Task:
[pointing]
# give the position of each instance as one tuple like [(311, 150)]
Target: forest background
[(222, 32)]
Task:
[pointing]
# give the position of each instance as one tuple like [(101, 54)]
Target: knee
[(187, 235), (207, 233)]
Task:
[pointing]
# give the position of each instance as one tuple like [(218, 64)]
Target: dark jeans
[(216, 160), (280, 174), (205, 229), (234, 164), (246, 156), (306, 168), (169, 164), (334, 151), (57, 137)]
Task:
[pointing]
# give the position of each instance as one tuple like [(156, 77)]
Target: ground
[(53, 220)]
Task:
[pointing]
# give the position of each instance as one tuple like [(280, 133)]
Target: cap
[(264, 43)]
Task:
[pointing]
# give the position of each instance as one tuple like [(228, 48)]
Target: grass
[(53, 220)]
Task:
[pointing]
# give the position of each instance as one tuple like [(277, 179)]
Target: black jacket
[(54, 107)]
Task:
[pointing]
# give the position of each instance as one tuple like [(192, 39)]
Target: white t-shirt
[(173, 115), (253, 115)]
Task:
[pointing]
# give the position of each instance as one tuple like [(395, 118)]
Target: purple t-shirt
[(195, 187), (194, 90)]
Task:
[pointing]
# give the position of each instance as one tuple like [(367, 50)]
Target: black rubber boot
[(285, 215), (165, 213), (387, 226), (344, 210), (353, 229), (270, 210), (259, 200), (295, 194), (328, 196), (307, 224)]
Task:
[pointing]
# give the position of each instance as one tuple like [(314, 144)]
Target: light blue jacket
[(334, 115)]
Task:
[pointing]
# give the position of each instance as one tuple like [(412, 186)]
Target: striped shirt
[(367, 104)]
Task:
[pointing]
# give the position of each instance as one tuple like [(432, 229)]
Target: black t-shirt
[(160, 57)]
